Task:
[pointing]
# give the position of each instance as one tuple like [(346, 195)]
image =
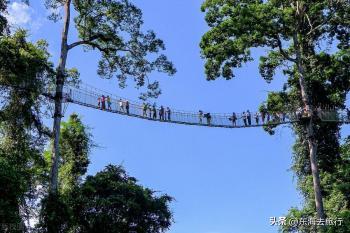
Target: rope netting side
[(335, 115), (88, 96)]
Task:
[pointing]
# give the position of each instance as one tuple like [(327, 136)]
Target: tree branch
[(284, 53), (309, 21), (86, 42), (40, 127), (330, 16)]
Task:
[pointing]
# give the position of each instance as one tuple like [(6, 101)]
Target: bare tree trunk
[(312, 142), (315, 172), (60, 76)]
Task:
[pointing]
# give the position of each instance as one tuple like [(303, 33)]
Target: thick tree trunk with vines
[(311, 139), (60, 77)]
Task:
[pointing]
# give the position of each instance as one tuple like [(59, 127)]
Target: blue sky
[(223, 180)]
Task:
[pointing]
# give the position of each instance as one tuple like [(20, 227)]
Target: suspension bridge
[(91, 97)]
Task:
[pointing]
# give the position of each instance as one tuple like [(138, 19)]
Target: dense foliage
[(309, 42), (238, 26), (76, 142), (110, 201), (112, 27), (24, 71), (25, 74)]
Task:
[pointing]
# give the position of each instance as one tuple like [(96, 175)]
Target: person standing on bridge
[(233, 118), (244, 116), (121, 105), (154, 110), (109, 103), (99, 102), (284, 116), (200, 116), (127, 107), (249, 118), (168, 113), (144, 109), (263, 115), (69, 97), (256, 116), (299, 113), (208, 116), (161, 113), (103, 102), (150, 111)]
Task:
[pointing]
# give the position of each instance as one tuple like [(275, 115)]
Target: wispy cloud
[(22, 15), (19, 14)]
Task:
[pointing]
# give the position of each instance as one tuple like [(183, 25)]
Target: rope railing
[(92, 97), (335, 115), (89, 97)]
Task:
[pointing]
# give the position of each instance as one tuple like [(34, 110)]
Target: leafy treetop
[(112, 201), (238, 26), (114, 27)]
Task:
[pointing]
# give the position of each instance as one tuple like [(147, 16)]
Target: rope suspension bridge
[(91, 97)]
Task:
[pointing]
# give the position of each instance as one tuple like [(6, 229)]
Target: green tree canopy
[(76, 142), (114, 28), (309, 42), (24, 71), (112, 201), (238, 26)]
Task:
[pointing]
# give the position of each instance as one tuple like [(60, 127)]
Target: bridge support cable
[(88, 96)]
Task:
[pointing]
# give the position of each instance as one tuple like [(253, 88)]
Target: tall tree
[(113, 202), (110, 201), (335, 184), (295, 31), (24, 72), (75, 144), (113, 27)]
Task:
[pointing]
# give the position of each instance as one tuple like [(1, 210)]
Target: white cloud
[(19, 14)]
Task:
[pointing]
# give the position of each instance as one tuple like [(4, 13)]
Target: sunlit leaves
[(114, 27), (237, 26), (113, 201), (24, 71)]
